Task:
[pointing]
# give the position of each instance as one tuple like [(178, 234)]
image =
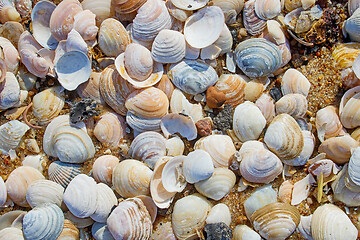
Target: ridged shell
[(352, 179), (10, 55), (67, 142), (257, 57), (309, 145), (110, 129), (327, 121), (11, 134), (3, 192), (101, 8), (9, 92), (330, 222), (44, 191), (243, 232), (69, 231), (179, 104), (103, 168), (130, 220), (168, 47), (353, 5), (248, 121), (294, 81), (140, 125), (192, 76), (233, 86), (106, 199), (127, 6), (267, 9), (177, 123), (197, 166), (219, 213), (294, 104), (84, 23), (80, 196), (224, 41), (91, 89), (11, 233), (44, 222), (131, 178), (253, 24), (284, 137), (348, 110), (8, 12), (345, 53), (100, 231), (189, 214), (230, 8), (218, 185), (62, 173), (47, 104)]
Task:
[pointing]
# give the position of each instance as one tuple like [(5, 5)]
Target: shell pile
[(176, 119)]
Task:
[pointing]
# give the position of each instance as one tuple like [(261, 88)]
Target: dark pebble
[(217, 231), (82, 110)]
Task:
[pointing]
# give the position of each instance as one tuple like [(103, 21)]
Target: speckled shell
[(100, 231), (192, 76), (11, 233), (267, 9), (345, 53), (80, 196), (131, 178), (140, 125), (248, 121), (130, 220), (352, 26), (168, 47), (47, 104), (91, 89), (69, 231), (127, 6), (266, 104), (106, 199), (189, 214), (284, 137), (3, 192), (101, 8), (230, 8), (62, 18), (10, 92), (67, 142), (43, 222), (233, 87), (327, 121), (330, 222), (110, 129), (179, 104), (62, 173), (252, 23), (8, 11), (103, 168), (294, 104), (309, 145), (294, 81), (257, 57), (197, 166), (349, 106), (44, 191), (11, 134), (339, 148), (10, 55)]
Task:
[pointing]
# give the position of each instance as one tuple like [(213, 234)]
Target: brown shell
[(233, 86), (126, 6)]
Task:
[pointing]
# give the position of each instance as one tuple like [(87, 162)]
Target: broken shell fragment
[(176, 123)]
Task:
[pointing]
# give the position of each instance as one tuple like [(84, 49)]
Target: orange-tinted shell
[(345, 53), (126, 6), (233, 86)]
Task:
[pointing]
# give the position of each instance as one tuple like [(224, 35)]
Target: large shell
[(131, 178), (233, 86), (330, 222), (101, 8), (103, 168), (106, 199), (43, 222), (257, 57), (189, 214), (230, 8), (348, 110), (294, 104), (253, 24), (11, 134), (44, 191), (80, 196), (110, 129), (18, 182), (284, 137), (327, 121), (192, 76), (67, 142), (10, 92), (62, 173), (267, 9), (197, 166), (10, 55), (8, 12), (294, 81)]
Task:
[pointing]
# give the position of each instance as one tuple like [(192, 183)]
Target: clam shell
[(79, 222), (345, 53), (62, 173), (230, 8), (197, 166), (192, 76), (101, 8), (179, 104), (3, 192), (301, 188), (218, 185), (164, 231), (352, 27), (110, 129), (233, 86), (189, 4), (11, 233), (243, 232), (91, 89), (348, 108), (327, 120), (84, 23), (127, 6), (257, 57), (224, 41), (10, 54), (140, 125), (43, 222), (294, 104), (178, 13), (285, 191), (8, 12), (100, 231), (219, 213), (166, 86), (44, 191), (80, 196), (309, 145), (7, 219), (174, 146), (294, 81), (267, 9), (10, 92), (11, 134), (203, 28), (172, 177), (103, 168), (69, 231), (131, 178), (353, 5), (252, 23), (177, 123), (266, 104), (352, 180), (106, 199)]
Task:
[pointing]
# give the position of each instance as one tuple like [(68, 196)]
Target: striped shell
[(233, 86), (44, 191), (11, 134), (62, 173), (11, 233), (266, 104), (10, 55), (140, 125), (8, 12), (230, 8), (349, 106), (84, 23), (70, 231), (127, 6), (352, 27), (110, 129), (252, 23), (267, 9), (293, 104), (91, 89), (103, 168), (345, 53)]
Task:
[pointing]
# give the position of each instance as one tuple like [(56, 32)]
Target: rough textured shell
[(233, 87), (110, 129), (267, 9), (230, 8), (11, 134), (44, 191), (80, 196), (327, 119), (294, 104), (101, 8), (253, 24), (103, 168), (106, 199), (192, 76), (10, 54), (10, 92), (168, 47), (197, 166), (257, 57), (294, 81), (127, 6), (345, 53), (177, 123), (44, 222), (62, 173)]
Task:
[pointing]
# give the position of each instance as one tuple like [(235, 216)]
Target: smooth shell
[(348, 109), (101, 8), (197, 166), (294, 81), (327, 121), (110, 129), (219, 213), (103, 168), (178, 123), (294, 104), (106, 199)]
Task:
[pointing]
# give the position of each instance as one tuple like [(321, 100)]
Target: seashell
[(100, 8), (100, 231), (329, 221), (62, 173), (189, 4), (197, 26), (166, 86), (23, 7), (192, 76), (91, 89), (178, 13), (80, 196), (29, 51), (225, 41), (168, 47), (218, 185), (11, 134), (110, 129), (352, 176), (36, 161), (230, 8), (233, 87), (69, 231), (43, 222), (44, 191), (140, 125), (294, 104), (266, 104), (106, 199), (328, 122), (69, 143), (267, 9), (251, 126), (197, 166), (79, 222), (164, 231), (243, 232), (7, 219), (8, 12), (356, 134), (131, 178), (285, 192), (3, 192), (48, 104), (304, 227), (11, 233), (189, 214), (309, 145), (345, 53), (253, 90), (62, 18), (284, 137), (251, 145), (220, 148), (75, 42), (84, 23), (114, 89), (294, 81), (147, 103), (125, 7), (150, 206), (353, 5), (210, 52), (10, 92), (348, 105), (10, 54), (275, 32), (191, 52), (174, 146), (103, 168), (148, 147), (252, 23), (276, 220), (219, 213), (177, 123), (179, 104), (257, 57), (338, 149), (172, 177), (341, 192), (130, 219), (40, 17), (351, 26), (301, 189), (146, 24), (260, 166)]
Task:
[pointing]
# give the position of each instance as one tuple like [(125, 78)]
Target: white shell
[(3, 192), (103, 168), (294, 81), (351, 26), (172, 176), (352, 180), (174, 146), (189, 4), (101, 8), (301, 189), (267, 9), (84, 23), (100, 231), (261, 197), (219, 213), (168, 47), (44, 191), (140, 124), (348, 109), (230, 8), (11, 134), (244, 232), (253, 24), (266, 104), (197, 166), (309, 145), (179, 104), (178, 123), (328, 123), (10, 55), (10, 92), (11, 233), (106, 199)]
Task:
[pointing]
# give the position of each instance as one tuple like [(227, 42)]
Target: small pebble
[(217, 231), (203, 127), (214, 98)]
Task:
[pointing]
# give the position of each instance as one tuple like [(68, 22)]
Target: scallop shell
[(69, 231), (100, 231), (80, 196), (192, 76), (44, 191), (110, 129), (177, 123), (3, 192), (10, 55), (9, 92), (203, 28), (179, 104), (106, 199), (11, 134), (131, 178), (294, 104), (43, 222), (189, 214), (345, 53), (252, 23), (127, 6), (11, 233), (294, 81), (172, 177), (62, 173), (103, 168), (8, 12), (101, 8), (230, 8), (327, 120), (219, 213), (233, 86), (284, 137), (70, 143), (257, 57), (197, 166), (243, 232), (91, 89), (84, 23)]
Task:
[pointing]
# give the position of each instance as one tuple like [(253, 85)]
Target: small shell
[(110, 129), (8, 12), (309, 145), (267, 9), (176, 123), (44, 191), (285, 192), (293, 104), (163, 231), (327, 121), (168, 47), (80, 196), (11, 233), (140, 125), (166, 86), (106, 199), (345, 53), (301, 189), (230, 8), (79, 222), (101, 8), (179, 104), (294, 81), (10, 54), (100, 231), (189, 4), (174, 146), (243, 232), (219, 213), (172, 176), (103, 168), (84, 23), (63, 173), (253, 24), (348, 108), (91, 88), (253, 90), (197, 166), (10, 92), (11, 134), (69, 231), (178, 13), (233, 86), (266, 104)]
